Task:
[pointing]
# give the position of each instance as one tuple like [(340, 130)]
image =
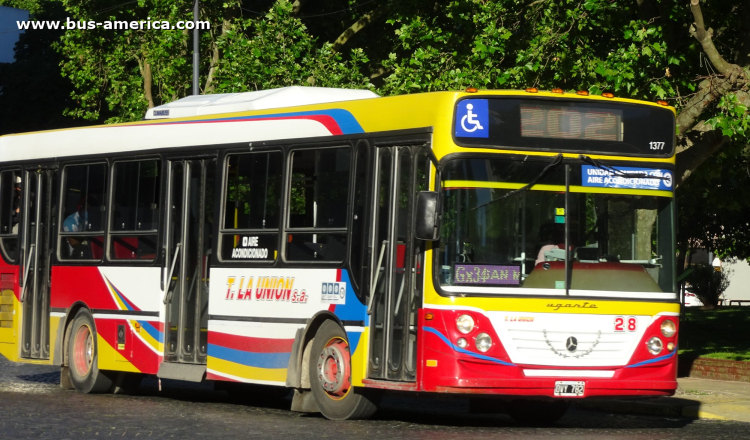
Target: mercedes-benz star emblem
[(571, 344)]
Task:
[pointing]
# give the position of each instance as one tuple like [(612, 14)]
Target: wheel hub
[(83, 351), (334, 369)]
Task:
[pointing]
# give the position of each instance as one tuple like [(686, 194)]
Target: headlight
[(465, 324), (668, 329), (654, 345), (483, 342), (462, 343)]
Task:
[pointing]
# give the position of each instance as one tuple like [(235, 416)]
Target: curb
[(664, 409)]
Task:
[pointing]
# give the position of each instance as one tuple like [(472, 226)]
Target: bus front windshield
[(501, 236)]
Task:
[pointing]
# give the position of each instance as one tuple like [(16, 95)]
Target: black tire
[(83, 356), (330, 377), (537, 412)]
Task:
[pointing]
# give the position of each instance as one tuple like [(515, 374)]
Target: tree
[(694, 54)]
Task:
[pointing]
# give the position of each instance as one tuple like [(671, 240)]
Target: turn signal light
[(608, 95), (662, 102), (471, 90), (556, 90), (532, 90), (582, 93)]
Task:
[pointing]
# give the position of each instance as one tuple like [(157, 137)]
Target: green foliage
[(720, 333), (708, 284)]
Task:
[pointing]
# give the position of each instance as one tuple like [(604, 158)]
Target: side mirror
[(428, 224)]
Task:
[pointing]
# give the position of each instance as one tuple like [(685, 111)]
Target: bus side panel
[(125, 302), (255, 314), (10, 311)]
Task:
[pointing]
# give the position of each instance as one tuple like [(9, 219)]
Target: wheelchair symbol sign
[(472, 118)]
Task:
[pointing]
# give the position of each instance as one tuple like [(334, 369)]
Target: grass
[(722, 333)]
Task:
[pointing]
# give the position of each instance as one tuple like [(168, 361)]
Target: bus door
[(188, 242), (36, 259), (397, 261)]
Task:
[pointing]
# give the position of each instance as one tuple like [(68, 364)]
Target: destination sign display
[(487, 274), (574, 125)]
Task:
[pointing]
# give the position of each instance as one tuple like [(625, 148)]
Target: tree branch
[(215, 55), (698, 30), (695, 147), (145, 68), (358, 26)]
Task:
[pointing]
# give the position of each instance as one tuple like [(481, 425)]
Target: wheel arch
[(296, 371), (60, 355)]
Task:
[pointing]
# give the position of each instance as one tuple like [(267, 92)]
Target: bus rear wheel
[(82, 356), (330, 377)]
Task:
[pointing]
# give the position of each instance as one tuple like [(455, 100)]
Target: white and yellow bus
[(516, 245)]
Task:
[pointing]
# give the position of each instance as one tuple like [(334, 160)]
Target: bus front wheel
[(82, 356), (330, 377)]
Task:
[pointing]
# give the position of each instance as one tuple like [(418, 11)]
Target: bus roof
[(198, 105)]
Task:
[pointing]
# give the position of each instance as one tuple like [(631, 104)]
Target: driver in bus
[(553, 235)]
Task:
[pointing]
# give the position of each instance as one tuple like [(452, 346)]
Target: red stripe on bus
[(251, 344)]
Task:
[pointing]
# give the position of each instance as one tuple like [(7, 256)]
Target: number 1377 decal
[(629, 324)]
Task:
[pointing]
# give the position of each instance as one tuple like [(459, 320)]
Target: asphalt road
[(32, 405)]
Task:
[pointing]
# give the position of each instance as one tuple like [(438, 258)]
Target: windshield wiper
[(555, 162), (617, 172)]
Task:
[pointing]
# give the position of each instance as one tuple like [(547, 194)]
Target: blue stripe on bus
[(464, 351), (152, 331), (651, 361), (346, 121), (251, 359)]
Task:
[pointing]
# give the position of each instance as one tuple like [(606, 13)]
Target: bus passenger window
[(82, 228), (135, 210), (318, 204), (10, 212), (252, 207)]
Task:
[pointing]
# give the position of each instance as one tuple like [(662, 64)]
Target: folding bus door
[(36, 260), (397, 261), (188, 244)]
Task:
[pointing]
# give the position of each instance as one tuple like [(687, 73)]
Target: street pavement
[(32, 405), (695, 398)]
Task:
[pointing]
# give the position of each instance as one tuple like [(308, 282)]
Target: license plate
[(574, 389)]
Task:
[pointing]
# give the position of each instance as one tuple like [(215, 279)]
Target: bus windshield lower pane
[(498, 237)]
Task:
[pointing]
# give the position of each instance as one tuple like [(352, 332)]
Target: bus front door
[(36, 260), (187, 251), (395, 286)]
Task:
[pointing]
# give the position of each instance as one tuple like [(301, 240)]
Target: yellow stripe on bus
[(246, 372), (449, 184), (555, 304)]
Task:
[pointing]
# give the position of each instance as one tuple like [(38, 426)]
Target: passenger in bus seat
[(77, 222)]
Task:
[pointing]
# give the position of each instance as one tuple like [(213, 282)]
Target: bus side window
[(135, 210), (252, 206), (10, 213), (318, 204), (84, 203)]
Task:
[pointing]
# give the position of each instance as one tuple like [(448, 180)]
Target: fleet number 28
[(630, 324)]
